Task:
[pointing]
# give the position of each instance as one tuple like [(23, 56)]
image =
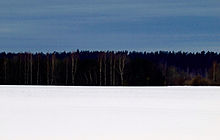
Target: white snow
[(109, 113)]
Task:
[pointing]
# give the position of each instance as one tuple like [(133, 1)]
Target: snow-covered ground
[(109, 113)]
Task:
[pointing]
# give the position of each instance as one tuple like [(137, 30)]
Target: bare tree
[(28, 67), (110, 67), (31, 64), (67, 66), (25, 69), (95, 77), (105, 70), (86, 78), (90, 77), (121, 66), (38, 68), (74, 63), (164, 71), (114, 69), (48, 69), (20, 68), (52, 68), (100, 59), (5, 69), (214, 71)]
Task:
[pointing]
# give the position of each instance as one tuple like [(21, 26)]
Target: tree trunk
[(52, 69), (114, 63), (48, 69), (28, 68), (38, 68), (110, 77), (86, 78), (121, 64), (214, 72), (31, 63), (105, 70), (74, 61), (95, 78), (5, 71), (25, 69), (90, 78), (100, 70), (67, 71), (20, 69)]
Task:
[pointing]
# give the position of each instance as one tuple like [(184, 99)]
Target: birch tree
[(74, 63), (48, 69), (114, 69), (121, 66)]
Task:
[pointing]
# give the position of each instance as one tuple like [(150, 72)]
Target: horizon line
[(105, 51)]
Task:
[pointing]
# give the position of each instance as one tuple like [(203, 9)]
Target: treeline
[(98, 68)]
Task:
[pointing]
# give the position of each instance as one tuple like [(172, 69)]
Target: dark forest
[(99, 68)]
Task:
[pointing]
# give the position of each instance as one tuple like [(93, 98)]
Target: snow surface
[(109, 113)]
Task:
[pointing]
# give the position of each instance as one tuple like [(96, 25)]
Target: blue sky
[(142, 25)]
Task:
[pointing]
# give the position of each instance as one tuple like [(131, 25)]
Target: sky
[(141, 25)]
